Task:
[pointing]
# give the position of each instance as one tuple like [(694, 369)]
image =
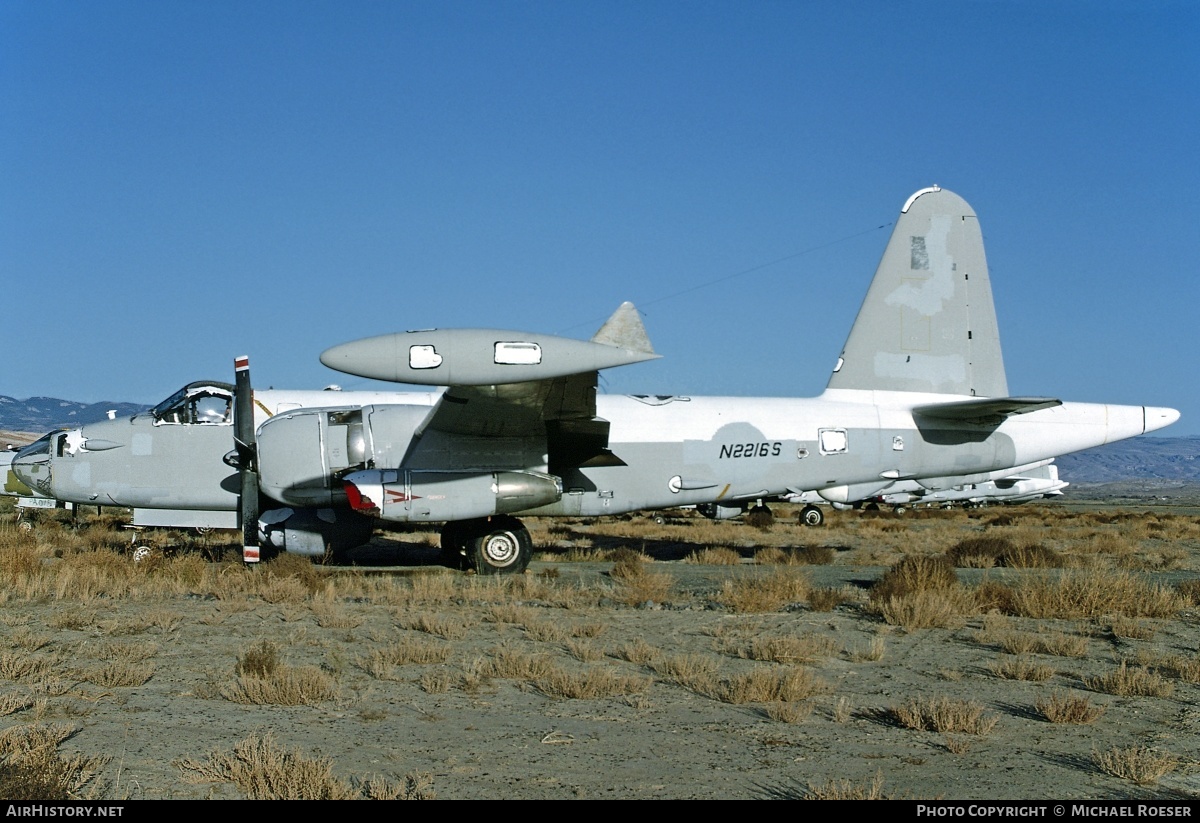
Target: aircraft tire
[(145, 554), (503, 546), (812, 516), (900, 509)]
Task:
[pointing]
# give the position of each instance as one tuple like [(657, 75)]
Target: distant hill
[(1139, 458), (42, 414)]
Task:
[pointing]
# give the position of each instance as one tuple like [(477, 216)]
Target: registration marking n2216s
[(762, 449)]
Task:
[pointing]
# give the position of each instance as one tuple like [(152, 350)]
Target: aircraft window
[(833, 441), (423, 357), (211, 408), (197, 407), (39, 446), (171, 410), (518, 354)]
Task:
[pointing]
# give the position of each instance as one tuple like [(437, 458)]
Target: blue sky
[(184, 182)]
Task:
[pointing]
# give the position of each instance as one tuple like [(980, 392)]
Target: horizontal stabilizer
[(988, 411)]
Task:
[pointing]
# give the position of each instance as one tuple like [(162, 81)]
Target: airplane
[(1024, 483), (1031, 483), (513, 425)]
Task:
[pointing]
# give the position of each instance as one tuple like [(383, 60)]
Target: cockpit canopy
[(205, 402), (37, 447)]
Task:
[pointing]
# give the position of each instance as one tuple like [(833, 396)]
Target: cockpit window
[(202, 403), (212, 408), (39, 446)]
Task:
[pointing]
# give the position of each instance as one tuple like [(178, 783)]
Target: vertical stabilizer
[(928, 323)]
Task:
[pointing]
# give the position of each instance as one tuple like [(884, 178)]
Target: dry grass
[(450, 628), (846, 790), (688, 670), (1131, 681), (992, 551), (1021, 668), (943, 714), (873, 651), (263, 679), (33, 769), (806, 648), (263, 770), (928, 609), (826, 599), (636, 651), (914, 574), (590, 683), (14, 703), (20, 666), (1092, 594), (761, 593), (760, 684), (788, 712), (1058, 643), (512, 663), (1067, 707), (1139, 764), (382, 663), (714, 556), (1177, 666)]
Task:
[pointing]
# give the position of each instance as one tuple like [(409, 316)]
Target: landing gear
[(812, 516), (899, 509), (455, 535), (143, 554), (489, 545)]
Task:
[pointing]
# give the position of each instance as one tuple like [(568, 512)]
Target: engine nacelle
[(302, 452), (414, 495)]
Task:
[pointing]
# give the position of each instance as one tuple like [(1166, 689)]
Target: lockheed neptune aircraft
[(514, 425)]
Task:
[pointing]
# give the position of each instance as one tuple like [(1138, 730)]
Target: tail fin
[(928, 323)]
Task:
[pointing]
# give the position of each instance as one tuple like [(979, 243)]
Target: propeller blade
[(247, 458)]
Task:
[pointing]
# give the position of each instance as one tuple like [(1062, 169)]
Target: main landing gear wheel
[(812, 516), (144, 554), (501, 546)]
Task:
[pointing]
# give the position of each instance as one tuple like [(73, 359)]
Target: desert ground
[(1034, 652)]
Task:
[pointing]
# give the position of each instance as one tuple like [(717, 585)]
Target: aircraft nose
[(31, 465), (1158, 417)]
